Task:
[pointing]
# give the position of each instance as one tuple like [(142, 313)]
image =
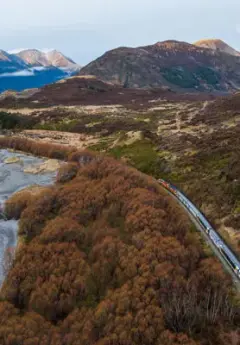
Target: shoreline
[(43, 149), (33, 189)]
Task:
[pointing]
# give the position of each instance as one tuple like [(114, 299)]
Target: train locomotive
[(229, 257)]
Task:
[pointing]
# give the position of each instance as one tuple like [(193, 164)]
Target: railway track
[(219, 246)]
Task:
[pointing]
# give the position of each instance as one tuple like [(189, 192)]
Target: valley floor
[(193, 144)]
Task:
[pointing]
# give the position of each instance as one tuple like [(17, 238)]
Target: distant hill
[(52, 58), (33, 69), (217, 45), (178, 65), (57, 59), (86, 90), (10, 63), (33, 57)]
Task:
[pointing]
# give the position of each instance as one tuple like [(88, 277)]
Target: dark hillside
[(93, 91), (178, 65)]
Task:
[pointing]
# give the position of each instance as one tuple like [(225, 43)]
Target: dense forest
[(107, 257)]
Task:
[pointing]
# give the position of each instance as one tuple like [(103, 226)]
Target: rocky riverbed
[(18, 171)]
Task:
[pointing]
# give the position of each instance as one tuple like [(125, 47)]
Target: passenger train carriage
[(229, 257)]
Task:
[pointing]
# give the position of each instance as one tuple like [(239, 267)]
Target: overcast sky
[(85, 29)]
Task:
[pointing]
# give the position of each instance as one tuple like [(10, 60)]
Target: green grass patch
[(176, 177), (62, 126), (142, 155), (102, 145), (15, 121), (214, 162), (237, 208)]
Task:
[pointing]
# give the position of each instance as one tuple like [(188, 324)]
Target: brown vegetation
[(110, 259), (61, 152), (18, 203), (194, 145), (84, 91), (20, 200), (67, 172)]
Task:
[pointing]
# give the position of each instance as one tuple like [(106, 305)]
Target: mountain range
[(33, 68), (52, 58), (207, 65)]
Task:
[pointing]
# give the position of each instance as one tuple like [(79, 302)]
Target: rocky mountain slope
[(217, 45), (33, 57), (52, 58), (178, 65), (57, 59)]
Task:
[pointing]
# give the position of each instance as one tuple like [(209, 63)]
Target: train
[(228, 255)]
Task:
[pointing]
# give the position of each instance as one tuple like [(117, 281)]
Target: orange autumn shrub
[(110, 258)]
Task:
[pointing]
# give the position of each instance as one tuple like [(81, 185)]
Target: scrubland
[(108, 257)]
